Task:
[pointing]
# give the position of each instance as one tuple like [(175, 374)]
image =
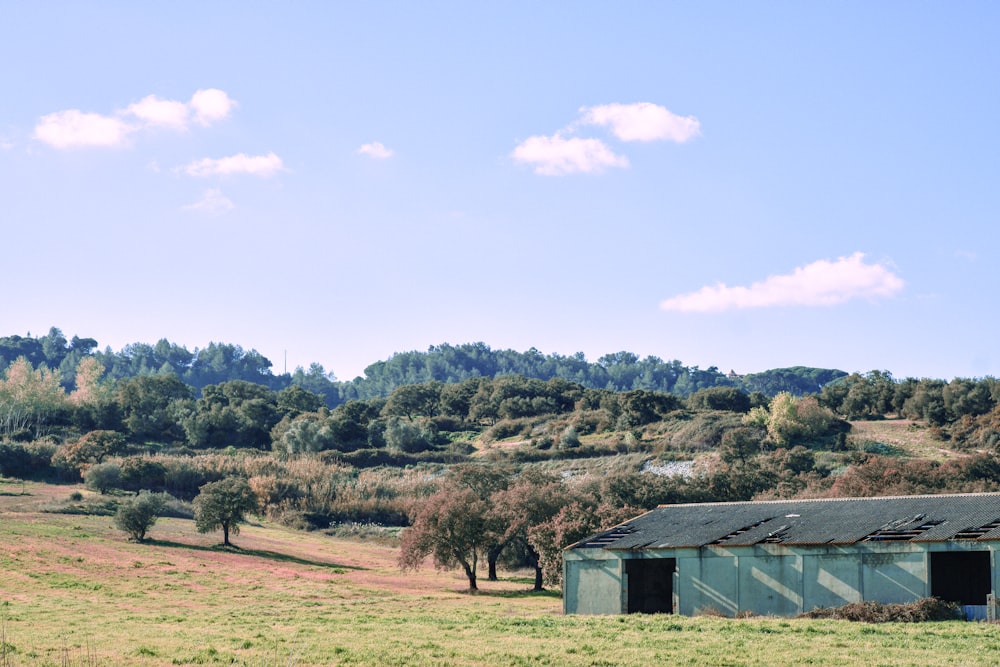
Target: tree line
[(449, 364)]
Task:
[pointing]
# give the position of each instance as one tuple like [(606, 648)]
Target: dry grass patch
[(903, 437)]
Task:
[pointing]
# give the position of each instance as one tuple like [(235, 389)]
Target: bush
[(569, 438), (508, 428), (137, 515), (102, 477), (140, 473), (15, 461), (870, 611)]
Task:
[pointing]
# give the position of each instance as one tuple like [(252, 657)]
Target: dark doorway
[(961, 576), (650, 585)]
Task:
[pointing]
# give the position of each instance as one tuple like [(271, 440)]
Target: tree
[(137, 515), (294, 401), (486, 481), (237, 413), (93, 447), (571, 523), (719, 398), (740, 444), (102, 477), (149, 406), (449, 525), (414, 400), (31, 400), (533, 499), (223, 504)]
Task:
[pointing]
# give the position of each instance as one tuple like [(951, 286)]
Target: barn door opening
[(961, 576), (650, 585)]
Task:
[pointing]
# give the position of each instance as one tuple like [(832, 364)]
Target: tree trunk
[(492, 556), (225, 535), (538, 579), (470, 572), (538, 569)]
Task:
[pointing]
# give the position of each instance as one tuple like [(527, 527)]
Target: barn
[(785, 557)]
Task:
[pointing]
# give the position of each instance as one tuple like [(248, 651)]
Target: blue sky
[(745, 185)]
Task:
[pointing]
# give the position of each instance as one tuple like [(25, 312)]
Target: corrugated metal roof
[(972, 516)]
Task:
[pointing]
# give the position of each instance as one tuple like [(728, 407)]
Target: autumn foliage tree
[(451, 526), (92, 448), (532, 500)]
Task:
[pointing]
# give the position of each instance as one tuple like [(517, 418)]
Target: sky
[(731, 184)]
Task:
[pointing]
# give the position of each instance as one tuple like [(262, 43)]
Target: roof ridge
[(979, 494)]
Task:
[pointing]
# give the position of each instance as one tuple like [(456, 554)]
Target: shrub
[(508, 428), (569, 438), (15, 461), (140, 472), (102, 477), (410, 437), (870, 611), (183, 477), (137, 515)]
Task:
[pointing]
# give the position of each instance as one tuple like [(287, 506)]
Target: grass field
[(902, 437), (73, 591)]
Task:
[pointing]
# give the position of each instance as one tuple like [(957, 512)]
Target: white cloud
[(212, 202), (75, 129), (375, 150), (822, 283), (6, 145), (556, 155), (211, 104), (642, 121), (157, 111), (257, 165)]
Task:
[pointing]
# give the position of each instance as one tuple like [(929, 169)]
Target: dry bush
[(870, 611), (712, 612)]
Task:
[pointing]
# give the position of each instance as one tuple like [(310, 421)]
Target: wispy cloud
[(561, 153), (967, 255), (375, 150), (642, 121), (73, 128), (212, 202), (256, 165), (557, 155), (6, 145), (821, 283)]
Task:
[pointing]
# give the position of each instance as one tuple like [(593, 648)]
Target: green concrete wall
[(593, 586), (765, 579)]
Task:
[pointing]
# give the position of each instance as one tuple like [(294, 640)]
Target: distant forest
[(449, 364)]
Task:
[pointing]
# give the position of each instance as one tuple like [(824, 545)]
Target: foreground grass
[(74, 592)]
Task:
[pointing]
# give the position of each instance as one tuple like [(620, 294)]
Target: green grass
[(73, 591)]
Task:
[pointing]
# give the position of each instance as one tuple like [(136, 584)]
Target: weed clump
[(870, 611)]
